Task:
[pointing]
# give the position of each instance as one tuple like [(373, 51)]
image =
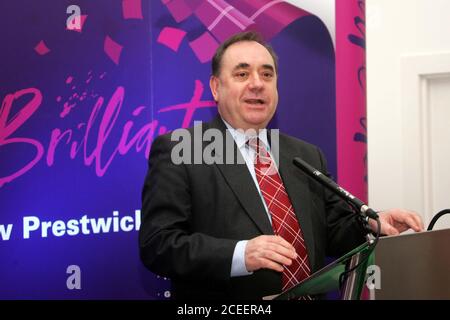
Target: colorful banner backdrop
[(351, 97), (85, 88)]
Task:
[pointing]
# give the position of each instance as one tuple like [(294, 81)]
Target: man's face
[(246, 88)]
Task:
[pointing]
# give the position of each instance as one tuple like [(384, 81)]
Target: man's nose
[(256, 82)]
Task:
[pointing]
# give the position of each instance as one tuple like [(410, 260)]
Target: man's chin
[(257, 122)]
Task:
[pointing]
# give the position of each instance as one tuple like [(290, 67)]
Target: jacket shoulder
[(297, 143)]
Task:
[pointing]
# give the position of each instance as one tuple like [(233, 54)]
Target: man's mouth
[(254, 101)]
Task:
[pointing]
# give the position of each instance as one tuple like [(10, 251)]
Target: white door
[(408, 80)]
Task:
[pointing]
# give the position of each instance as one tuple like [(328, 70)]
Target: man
[(223, 230)]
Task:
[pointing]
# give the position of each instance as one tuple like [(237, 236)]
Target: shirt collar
[(241, 138)]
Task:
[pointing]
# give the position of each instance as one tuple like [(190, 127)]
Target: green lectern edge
[(327, 279)]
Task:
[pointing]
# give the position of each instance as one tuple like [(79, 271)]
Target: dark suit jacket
[(194, 214)]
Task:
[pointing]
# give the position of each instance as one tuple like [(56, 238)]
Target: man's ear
[(214, 85)]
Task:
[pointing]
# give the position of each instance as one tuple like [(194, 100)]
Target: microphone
[(334, 187)]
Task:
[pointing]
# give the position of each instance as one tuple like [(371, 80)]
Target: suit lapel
[(297, 187), (241, 182), (243, 186)]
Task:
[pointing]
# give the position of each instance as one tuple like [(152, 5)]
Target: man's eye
[(267, 75), (241, 74)]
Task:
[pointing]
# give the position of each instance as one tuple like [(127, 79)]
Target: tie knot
[(262, 161), (256, 144)]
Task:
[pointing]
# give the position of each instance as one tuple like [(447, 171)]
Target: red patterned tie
[(284, 221)]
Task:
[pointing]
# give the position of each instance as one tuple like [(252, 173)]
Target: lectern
[(409, 266), (348, 274), (414, 266)]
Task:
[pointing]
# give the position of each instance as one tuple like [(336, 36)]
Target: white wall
[(399, 34)]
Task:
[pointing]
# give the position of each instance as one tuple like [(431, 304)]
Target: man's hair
[(239, 37)]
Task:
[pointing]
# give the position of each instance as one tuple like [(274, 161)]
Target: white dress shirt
[(238, 267)]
